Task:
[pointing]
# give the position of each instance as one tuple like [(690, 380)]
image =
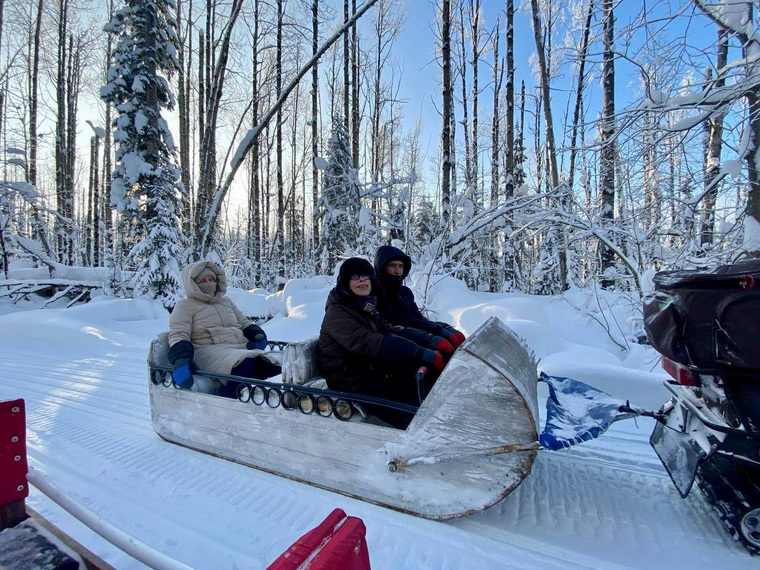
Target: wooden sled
[(442, 466)]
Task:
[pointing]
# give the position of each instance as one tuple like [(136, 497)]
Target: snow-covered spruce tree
[(339, 205), (145, 186)]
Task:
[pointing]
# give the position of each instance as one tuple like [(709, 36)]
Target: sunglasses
[(360, 277)]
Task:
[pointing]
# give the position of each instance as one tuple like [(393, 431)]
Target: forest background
[(529, 146)]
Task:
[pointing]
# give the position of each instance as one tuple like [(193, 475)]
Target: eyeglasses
[(360, 277)]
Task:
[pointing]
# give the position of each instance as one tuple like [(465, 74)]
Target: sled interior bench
[(299, 387)]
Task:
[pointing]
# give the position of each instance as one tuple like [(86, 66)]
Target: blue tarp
[(576, 412)]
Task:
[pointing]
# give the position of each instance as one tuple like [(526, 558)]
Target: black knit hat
[(354, 266)]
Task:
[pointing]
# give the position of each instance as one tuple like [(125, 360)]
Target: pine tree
[(145, 183), (340, 202), (425, 228)]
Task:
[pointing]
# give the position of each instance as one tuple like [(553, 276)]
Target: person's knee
[(259, 368)]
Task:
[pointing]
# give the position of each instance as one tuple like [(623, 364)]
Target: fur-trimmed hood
[(192, 271)]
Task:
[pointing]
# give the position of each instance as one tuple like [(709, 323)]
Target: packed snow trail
[(606, 504)]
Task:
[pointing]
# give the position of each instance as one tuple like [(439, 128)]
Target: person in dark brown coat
[(361, 353)]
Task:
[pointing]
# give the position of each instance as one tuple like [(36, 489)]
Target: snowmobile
[(706, 325)]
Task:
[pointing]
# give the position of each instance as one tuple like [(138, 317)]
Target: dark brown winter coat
[(358, 350)]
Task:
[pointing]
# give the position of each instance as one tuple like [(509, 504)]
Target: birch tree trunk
[(498, 73), (280, 240), (61, 170), (476, 49), (545, 94), (183, 103), (608, 151), (446, 143), (314, 125), (216, 54), (254, 196), (581, 83), (509, 118), (346, 68), (468, 180), (354, 91), (713, 147)]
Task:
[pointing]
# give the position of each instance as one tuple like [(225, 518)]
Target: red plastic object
[(681, 374), (13, 466), (337, 543)]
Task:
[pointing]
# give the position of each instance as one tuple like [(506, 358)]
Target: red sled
[(338, 542)]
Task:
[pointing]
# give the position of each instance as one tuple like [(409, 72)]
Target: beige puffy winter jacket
[(213, 324)]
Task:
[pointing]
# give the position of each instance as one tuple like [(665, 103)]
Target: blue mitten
[(257, 343), (257, 338), (183, 374)]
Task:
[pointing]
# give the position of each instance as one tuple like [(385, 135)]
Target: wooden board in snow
[(442, 466)]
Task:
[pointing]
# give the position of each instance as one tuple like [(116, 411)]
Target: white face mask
[(208, 288)]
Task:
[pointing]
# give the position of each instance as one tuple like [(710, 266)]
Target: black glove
[(419, 336)]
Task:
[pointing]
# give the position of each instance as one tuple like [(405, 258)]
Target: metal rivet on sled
[(15, 409), (17, 458), (20, 488), (14, 439)]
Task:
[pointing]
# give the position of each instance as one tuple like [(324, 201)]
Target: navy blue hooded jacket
[(395, 301)]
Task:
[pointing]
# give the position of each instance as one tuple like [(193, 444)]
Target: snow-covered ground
[(603, 504)]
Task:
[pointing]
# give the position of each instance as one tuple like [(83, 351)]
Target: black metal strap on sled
[(161, 375)]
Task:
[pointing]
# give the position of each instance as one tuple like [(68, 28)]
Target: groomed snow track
[(606, 504)]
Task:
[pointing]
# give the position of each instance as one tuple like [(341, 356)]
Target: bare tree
[(509, 118), (579, 90), (314, 124), (214, 70), (608, 152), (713, 144), (446, 139), (280, 231), (538, 34)]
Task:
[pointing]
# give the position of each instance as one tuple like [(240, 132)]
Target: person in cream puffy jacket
[(209, 331)]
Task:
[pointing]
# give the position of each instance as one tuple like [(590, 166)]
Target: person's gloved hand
[(441, 344), (259, 342), (432, 358), (257, 338), (457, 338), (452, 335), (183, 374)]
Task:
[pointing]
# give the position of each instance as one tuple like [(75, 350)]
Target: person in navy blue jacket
[(395, 301)]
